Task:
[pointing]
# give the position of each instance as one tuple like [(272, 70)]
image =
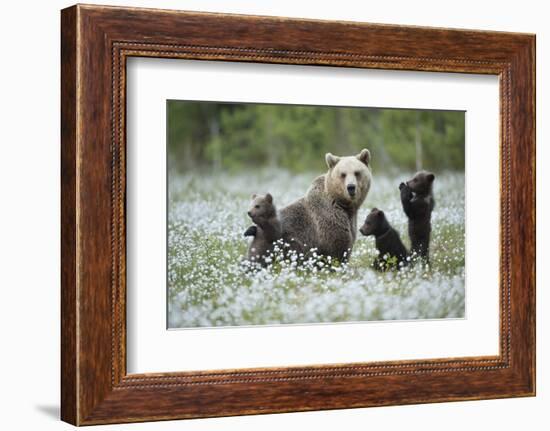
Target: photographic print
[(289, 214), (281, 224)]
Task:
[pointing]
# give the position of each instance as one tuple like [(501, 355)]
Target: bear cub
[(392, 252), (418, 203), (267, 229)]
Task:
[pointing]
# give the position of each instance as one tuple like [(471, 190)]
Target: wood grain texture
[(69, 367), (96, 41)]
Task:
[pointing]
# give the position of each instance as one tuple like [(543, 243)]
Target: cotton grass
[(210, 283)]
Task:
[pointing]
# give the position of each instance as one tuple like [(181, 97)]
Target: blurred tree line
[(233, 137)]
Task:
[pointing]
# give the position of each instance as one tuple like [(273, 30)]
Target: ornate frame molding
[(96, 41)]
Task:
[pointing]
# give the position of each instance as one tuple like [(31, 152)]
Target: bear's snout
[(351, 189), (249, 213)]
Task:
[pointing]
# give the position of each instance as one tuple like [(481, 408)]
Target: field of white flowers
[(208, 285)]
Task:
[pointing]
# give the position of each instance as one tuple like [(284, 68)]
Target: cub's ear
[(269, 198), (331, 160), (380, 214), (374, 210), (430, 177), (364, 156), (254, 195)]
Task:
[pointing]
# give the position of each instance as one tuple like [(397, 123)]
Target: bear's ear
[(269, 198), (364, 156), (380, 214), (254, 195), (331, 160), (430, 177)]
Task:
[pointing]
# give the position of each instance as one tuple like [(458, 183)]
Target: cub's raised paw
[(406, 192), (251, 231)]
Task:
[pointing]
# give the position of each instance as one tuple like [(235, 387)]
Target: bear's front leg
[(406, 197), (406, 192), (251, 231)]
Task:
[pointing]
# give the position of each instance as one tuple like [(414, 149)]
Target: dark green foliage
[(233, 137)]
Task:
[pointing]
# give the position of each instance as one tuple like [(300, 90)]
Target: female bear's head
[(348, 178)]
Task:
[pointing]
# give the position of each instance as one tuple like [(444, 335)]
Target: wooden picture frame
[(95, 43)]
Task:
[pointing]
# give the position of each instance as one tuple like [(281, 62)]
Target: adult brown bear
[(326, 217)]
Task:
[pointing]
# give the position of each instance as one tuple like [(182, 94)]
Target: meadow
[(210, 285)]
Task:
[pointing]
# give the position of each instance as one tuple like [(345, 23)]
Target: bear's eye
[(256, 206), (357, 173), (342, 175)]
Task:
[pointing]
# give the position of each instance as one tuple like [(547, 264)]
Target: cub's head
[(261, 208), (421, 183), (375, 223), (348, 178)]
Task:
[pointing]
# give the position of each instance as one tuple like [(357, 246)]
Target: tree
[(232, 136)]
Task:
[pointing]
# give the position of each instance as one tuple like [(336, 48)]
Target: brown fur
[(392, 252), (267, 230), (418, 204), (326, 217)]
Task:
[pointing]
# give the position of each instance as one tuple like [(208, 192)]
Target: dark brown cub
[(392, 252), (418, 203)]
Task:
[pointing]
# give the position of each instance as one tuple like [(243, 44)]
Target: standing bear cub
[(392, 252), (325, 219), (418, 204), (267, 230)]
